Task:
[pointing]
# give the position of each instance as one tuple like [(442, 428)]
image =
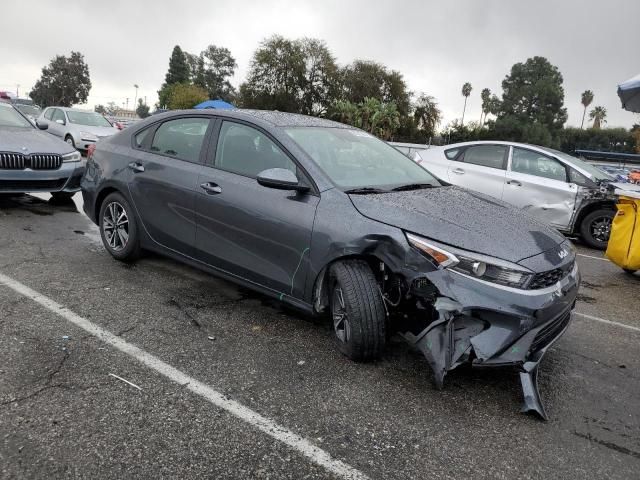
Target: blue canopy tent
[(629, 93), (217, 104)]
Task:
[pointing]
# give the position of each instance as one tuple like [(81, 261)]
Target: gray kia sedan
[(34, 161), (326, 217)]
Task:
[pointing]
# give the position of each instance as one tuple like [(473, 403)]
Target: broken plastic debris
[(211, 337), (66, 337), (301, 362), (125, 381)]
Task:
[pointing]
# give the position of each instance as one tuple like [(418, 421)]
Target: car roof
[(264, 117)]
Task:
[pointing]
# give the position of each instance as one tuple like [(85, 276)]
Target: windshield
[(355, 159), (10, 118), (29, 110), (595, 172), (88, 118)]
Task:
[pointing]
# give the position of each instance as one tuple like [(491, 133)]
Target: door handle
[(459, 171), (514, 182), (211, 188), (136, 167)]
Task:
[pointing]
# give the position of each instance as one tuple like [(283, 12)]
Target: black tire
[(629, 271), (126, 251), (363, 318), (596, 228), (72, 142)]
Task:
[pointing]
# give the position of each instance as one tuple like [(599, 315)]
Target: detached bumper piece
[(489, 340)]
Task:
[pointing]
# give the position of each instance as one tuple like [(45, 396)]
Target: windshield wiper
[(412, 186), (365, 190)]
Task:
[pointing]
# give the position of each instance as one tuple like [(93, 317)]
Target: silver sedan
[(79, 128)]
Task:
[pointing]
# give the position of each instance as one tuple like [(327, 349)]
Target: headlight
[(72, 157), (474, 265), (88, 136)]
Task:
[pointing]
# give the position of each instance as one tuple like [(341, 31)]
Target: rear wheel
[(596, 228), (357, 311), (119, 228)]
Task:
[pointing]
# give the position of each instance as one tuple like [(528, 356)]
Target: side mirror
[(42, 125), (280, 179), (60, 121)]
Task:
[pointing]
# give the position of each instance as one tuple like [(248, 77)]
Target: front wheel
[(119, 229), (69, 140), (357, 311), (596, 228)]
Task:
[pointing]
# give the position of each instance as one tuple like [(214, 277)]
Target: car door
[(163, 179), (539, 184), (481, 168), (257, 233), (57, 123)]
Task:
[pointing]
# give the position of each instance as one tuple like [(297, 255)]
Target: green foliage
[(427, 115), (185, 95), (585, 99), (64, 82), (532, 106), (371, 115), (101, 109), (178, 67), (142, 110), (321, 77), (598, 115), (211, 70), (365, 79), (604, 139)]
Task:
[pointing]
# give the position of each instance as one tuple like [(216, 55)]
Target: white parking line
[(591, 256), (608, 322), (262, 423)]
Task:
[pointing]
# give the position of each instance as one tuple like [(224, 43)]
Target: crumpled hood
[(461, 218), (13, 139)]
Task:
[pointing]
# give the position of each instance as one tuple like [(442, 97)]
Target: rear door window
[(492, 156), (247, 151), (451, 153), (181, 138), (140, 140), (535, 163)]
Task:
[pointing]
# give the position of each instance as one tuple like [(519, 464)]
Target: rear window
[(492, 156), (181, 138)]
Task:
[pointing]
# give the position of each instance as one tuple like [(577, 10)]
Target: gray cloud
[(437, 45)]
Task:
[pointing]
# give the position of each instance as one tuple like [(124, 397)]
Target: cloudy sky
[(436, 45)]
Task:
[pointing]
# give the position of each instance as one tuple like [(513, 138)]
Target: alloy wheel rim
[(601, 229), (115, 225), (70, 141), (341, 324)]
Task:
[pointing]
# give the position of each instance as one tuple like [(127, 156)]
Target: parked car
[(561, 190), (326, 217), (620, 174), (32, 160), (32, 112), (79, 128)]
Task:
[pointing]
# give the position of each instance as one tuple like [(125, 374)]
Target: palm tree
[(587, 98), (485, 95), (598, 115), (466, 91), (427, 114)]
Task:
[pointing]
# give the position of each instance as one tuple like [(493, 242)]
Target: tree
[(427, 114), (142, 109), (466, 91), (178, 67), (276, 76), (344, 111), (598, 115), (365, 79), (100, 109), (218, 67), (587, 98), (185, 96), (64, 82), (321, 77), (532, 106)]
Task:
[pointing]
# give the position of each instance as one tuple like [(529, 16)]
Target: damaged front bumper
[(489, 325)]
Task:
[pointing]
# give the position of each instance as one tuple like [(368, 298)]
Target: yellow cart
[(624, 242)]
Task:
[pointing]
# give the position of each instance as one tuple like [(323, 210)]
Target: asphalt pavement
[(158, 370)]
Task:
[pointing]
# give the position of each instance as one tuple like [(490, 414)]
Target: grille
[(550, 331), (36, 161), (31, 185), (12, 161), (546, 279)]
